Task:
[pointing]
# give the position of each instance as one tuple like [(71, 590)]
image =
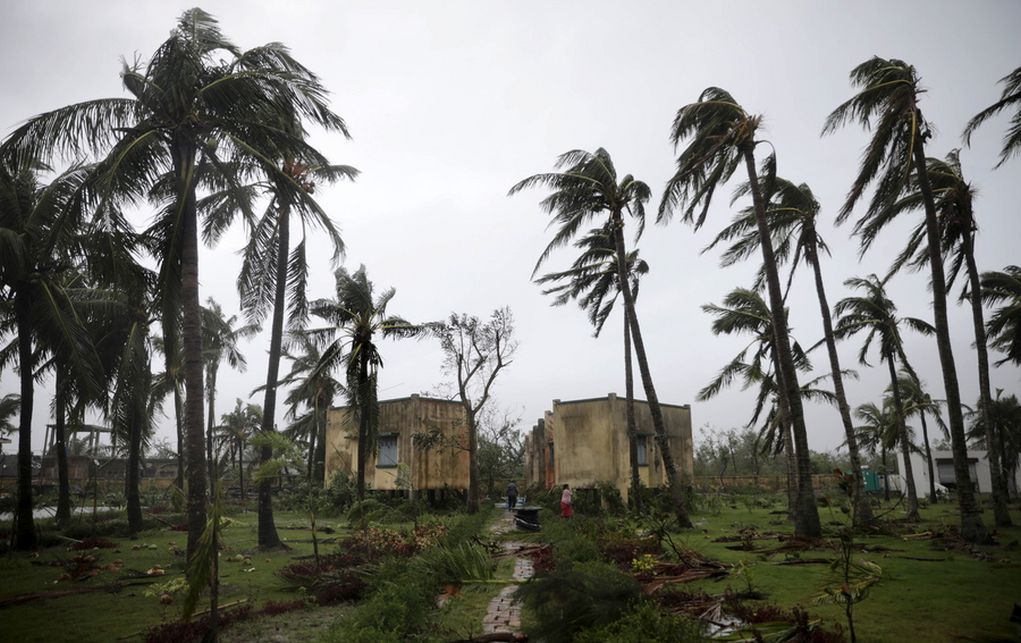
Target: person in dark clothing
[(512, 495)]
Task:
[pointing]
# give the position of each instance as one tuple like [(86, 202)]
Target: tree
[(1003, 289), (501, 449), (358, 319), (878, 431), (888, 105), (220, 337), (1005, 412), (474, 353), (36, 225), (1009, 98), (592, 282), (792, 211), (876, 315), (234, 430), (722, 136), (918, 402), (199, 107), (587, 188)]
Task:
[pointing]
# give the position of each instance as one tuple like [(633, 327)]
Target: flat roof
[(619, 397), (413, 396)]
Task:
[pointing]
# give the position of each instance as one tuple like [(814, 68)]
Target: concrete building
[(943, 469), (403, 425), (582, 442)]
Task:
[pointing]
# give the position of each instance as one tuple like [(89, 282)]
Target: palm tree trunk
[(806, 518), (928, 459), (972, 527), (191, 342), (632, 425), (1001, 515), (863, 510), (473, 464), (905, 444), (792, 469), (179, 425), (320, 457), (25, 536), (268, 536), (63, 516), (241, 470), (673, 478), (886, 473), (134, 453), (210, 422)]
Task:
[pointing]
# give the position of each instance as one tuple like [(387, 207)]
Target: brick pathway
[(504, 613)]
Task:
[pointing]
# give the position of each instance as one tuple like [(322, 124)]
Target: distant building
[(406, 426), (582, 442), (943, 469)]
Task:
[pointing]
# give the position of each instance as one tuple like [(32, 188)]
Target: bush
[(454, 564), (645, 623)]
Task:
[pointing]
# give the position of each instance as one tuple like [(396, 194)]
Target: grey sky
[(452, 103)]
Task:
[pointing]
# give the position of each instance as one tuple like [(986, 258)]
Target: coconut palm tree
[(198, 104), (722, 137), (592, 282), (585, 188), (878, 432), (954, 197), (918, 402), (888, 105), (1009, 98), (1003, 289), (220, 337), (37, 223), (876, 315), (358, 319), (234, 430), (792, 211)]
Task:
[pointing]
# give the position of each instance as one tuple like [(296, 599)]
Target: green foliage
[(341, 492), (455, 564), (645, 623), (201, 564), (364, 512)]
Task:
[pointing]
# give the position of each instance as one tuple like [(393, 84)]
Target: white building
[(943, 470)]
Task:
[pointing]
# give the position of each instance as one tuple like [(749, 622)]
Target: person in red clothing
[(565, 503)]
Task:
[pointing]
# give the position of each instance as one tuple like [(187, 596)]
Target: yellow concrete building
[(582, 442), (443, 466)]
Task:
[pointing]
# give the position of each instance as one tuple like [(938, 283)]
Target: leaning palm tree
[(220, 337), (592, 282), (1009, 98), (722, 137), (792, 213), (199, 103), (888, 105), (358, 319), (1003, 289), (954, 198), (878, 432), (918, 402), (586, 187), (875, 314)]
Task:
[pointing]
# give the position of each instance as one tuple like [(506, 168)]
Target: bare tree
[(475, 351)]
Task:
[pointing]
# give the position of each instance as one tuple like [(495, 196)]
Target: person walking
[(512, 496), (565, 503)]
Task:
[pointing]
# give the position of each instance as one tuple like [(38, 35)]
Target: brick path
[(504, 613)]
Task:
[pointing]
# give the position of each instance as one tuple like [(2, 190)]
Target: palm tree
[(722, 137), (234, 430), (592, 282), (888, 105), (876, 315), (792, 213), (918, 401), (878, 431), (361, 319), (220, 337), (587, 188), (1005, 412), (953, 196), (1010, 97), (314, 389), (1003, 289), (36, 225), (200, 104)]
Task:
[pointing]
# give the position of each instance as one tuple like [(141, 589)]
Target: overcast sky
[(451, 103)]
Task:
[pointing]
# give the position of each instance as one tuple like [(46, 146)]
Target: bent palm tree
[(1003, 289), (875, 315), (587, 187), (918, 401), (592, 281), (722, 137), (1010, 97), (888, 105)]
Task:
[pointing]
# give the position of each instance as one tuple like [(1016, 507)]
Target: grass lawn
[(957, 597)]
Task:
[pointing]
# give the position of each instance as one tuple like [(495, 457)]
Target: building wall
[(443, 465), (590, 444), (920, 471)]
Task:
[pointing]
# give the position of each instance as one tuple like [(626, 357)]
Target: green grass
[(915, 601)]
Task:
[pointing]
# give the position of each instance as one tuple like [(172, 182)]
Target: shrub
[(645, 623), (454, 564)]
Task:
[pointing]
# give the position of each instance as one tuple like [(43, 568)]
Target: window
[(642, 443), (387, 451)]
